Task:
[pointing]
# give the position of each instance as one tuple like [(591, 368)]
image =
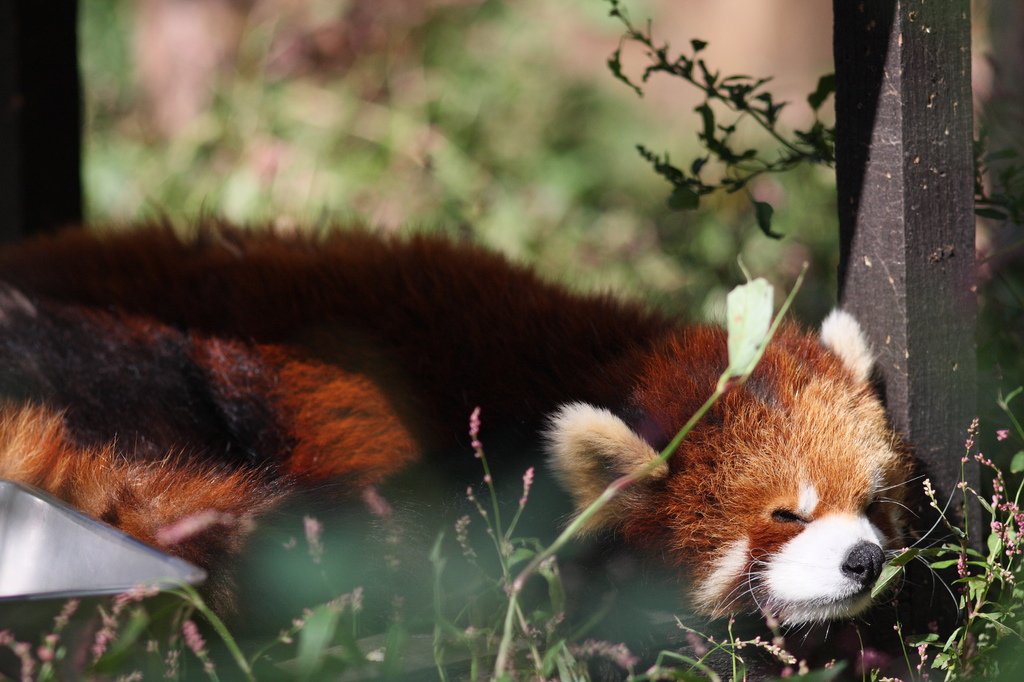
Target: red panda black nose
[(864, 563)]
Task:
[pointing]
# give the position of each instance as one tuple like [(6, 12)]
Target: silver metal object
[(50, 550)]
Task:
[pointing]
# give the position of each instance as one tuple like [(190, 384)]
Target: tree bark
[(40, 117)]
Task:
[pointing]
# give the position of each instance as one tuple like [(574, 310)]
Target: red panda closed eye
[(277, 364)]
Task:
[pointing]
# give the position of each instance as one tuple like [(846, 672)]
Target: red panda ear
[(842, 334), (589, 448)]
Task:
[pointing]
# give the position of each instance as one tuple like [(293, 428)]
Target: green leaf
[(1001, 155), (763, 212), (906, 557), (977, 588), (821, 674), (1017, 463), (708, 117), (892, 571), (991, 213), (394, 652), (995, 544), (556, 591), (749, 317), (314, 639), (683, 199), (521, 554), (1006, 630), (826, 86), (917, 640), (946, 563), (697, 45)]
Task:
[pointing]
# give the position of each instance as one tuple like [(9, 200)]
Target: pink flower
[(527, 483), (616, 653), (62, 618), (1002, 434), (192, 525), (196, 643), (376, 503), (314, 529), (474, 430)]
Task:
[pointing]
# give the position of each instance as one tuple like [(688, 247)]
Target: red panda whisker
[(940, 579), (937, 522), (897, 486), (742, 589), (898, 503)]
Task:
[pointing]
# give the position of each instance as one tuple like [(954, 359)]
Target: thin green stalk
[(501, 662), (730, 379), (735, 657), (573, 528), (189, 594)]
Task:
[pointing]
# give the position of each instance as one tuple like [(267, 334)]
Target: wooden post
[(40, 112), (905, 176)]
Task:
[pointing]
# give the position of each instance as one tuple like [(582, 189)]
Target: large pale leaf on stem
[(749, 319)]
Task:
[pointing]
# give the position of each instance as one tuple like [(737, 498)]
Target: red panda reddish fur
[(348, 358)]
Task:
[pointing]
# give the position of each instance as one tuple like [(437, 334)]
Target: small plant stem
[(512, 526), (494, 527), (494, 501), (501, 661), (537, 661), (734, 657), (192, 597), (609, 493), (903, 644), (1004, 405), (860, 642)]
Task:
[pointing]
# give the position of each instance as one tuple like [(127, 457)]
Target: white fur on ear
[(842, 334), (589, 448)]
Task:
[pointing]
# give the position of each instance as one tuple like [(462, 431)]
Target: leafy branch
[(746, 99), (1005, 173)]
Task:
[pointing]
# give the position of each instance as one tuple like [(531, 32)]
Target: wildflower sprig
[(537, 629), (672, 665), (989, 583)]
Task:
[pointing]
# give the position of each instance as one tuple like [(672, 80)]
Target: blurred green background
[(483, 117), (500, 121)]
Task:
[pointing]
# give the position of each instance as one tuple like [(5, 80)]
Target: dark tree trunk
[(40, 113), (905, 175)]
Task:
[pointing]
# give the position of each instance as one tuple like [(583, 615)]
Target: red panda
[(149, 378)]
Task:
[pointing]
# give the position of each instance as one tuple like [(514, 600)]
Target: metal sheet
[(51, 550)]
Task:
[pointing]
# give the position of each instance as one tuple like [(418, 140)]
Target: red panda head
[(783, 497)]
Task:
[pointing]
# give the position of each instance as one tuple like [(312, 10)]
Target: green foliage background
[(480, 118), (488, 119)]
